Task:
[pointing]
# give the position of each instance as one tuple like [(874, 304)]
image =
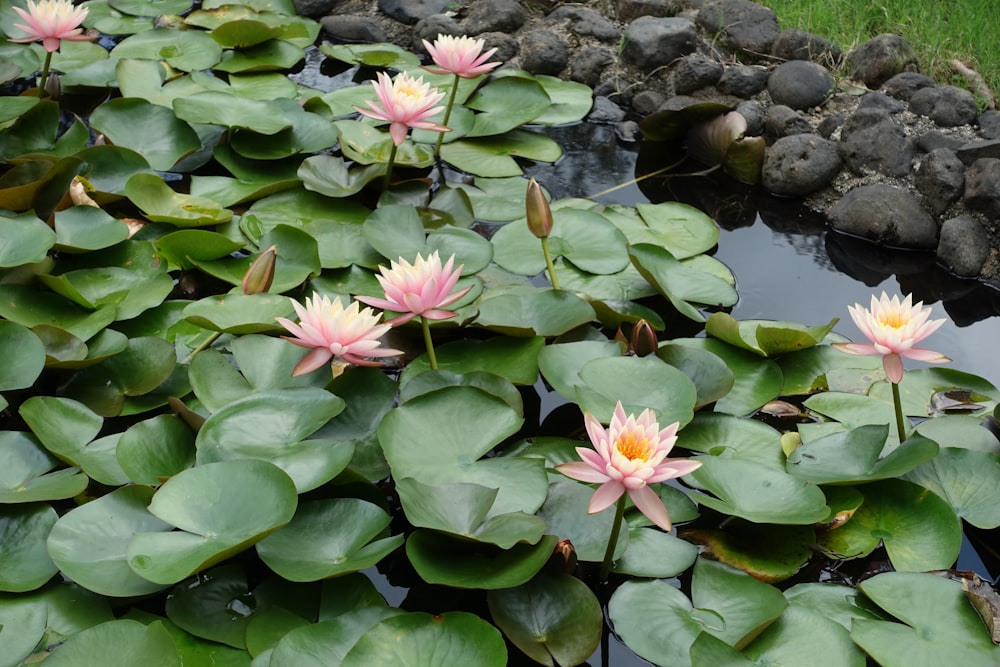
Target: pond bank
[(887, 139)]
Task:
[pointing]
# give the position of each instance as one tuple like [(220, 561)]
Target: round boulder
[(947, 106), (940, 180), (885, 214), (652, 42), (799, 165), (964, 246), (800, 84), (879, 59), (543, 52), (742, 24), (871, 141)]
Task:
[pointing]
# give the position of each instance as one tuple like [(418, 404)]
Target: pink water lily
[(405, 102), (894, 328), (51, 21), (628, 457), (423, 288), (334, 332), (461, 56)]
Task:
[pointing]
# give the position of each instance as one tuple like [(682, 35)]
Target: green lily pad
[(799, 636), (308, 133), (764, 337), (919, 530), (964, 479), (328, 538), (90, 543), (26, 472), (24, 530), (25, 356), (220, 508), (962, 431), (756, 382), (31, 308), (497, 114), (81, 228), (680, 228), (941, 625), (374, 55), (554, 619), (570, 100), (155, 449), (297, 259), (22, 625), (240, 313), (419, 640), (440, 559), (768, 553), (685, 286), (710, 374), (26, 240), (366, 144), (586, 239), (332, 176), (853, 456), (560, 363), (639, 383), (118, 643), (161, 204), (493, 156), (731, 437), (654, 554), (565, 510), (187, 50), (512, 358), (183, 247), (525, 311), (919, 385), (757, 492), (806, 371), (726, 603), (216, 606), (150, 130), (461, 509)]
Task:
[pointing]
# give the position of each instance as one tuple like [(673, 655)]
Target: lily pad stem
[(550, 267), (898, 404), (203, 346), (429, 343), (388, 167), (44, 78), (447, 114), (612, 540)]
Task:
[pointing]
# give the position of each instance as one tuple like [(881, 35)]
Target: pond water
[(787, 266)]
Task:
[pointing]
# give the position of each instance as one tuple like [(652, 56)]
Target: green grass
[(940, 30)]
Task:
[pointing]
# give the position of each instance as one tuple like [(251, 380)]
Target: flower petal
[(605, 496), (649, 503)]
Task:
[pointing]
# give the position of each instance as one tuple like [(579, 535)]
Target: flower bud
[(260, 274), (538, 211), (644, 342)]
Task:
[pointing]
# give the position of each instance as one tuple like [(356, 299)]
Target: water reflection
[(788, 265)]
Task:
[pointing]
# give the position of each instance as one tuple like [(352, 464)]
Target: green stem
[(612, 540), (429, 343), (548, 263), (898, 404), (45, 74), (651, 174), (203, 346), (388, 168), (447, 114)]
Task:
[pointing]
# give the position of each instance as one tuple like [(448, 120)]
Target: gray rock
[(781, 121), (628, 131), (653, 42), (494, 16), (903, 85), (432, 26), (605, 111), (900, 220), (940, 179), (831, 124), (795, 44), (964, 246), (969, 152), (879, 59), (411, 11), (743, 81), (588, 64), (947, 106), (989, 125), (694, 72), (616, 88), (543, 52), (800, 84), (648, 101), (506, 45), (881, 102), (982, 187), (630, 10), (314, 9), (799, 165), (934, 139), (741, 24), (584, 21), (754, 115), (871, 141), (352, 29)]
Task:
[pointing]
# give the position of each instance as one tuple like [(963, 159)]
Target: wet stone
[(432, 26), (588, 64), (800, 84), (543, 52), (901, 221), (871, 141), (411, 11), (653, 42), (494, 16), (964, 245), (782, 121), (352, 29), (754, 115), (982, 187), (647, 102), (314, 8), (605, 111), (940, 179), (800, 164)]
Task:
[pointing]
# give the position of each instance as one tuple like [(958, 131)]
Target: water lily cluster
[(274, 354)]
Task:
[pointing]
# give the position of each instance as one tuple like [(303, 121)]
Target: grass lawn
[(940, 30)]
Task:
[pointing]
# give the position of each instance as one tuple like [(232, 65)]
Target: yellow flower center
[(892, 319), (633, 446)]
